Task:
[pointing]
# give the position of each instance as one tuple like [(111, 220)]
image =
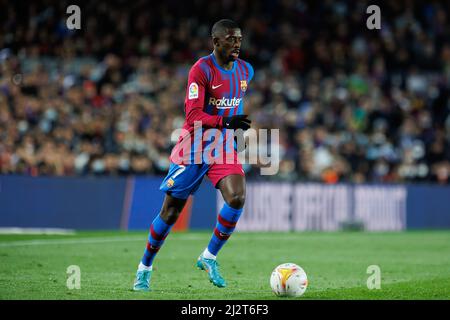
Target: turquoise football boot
[(212, 268), (142, 282)]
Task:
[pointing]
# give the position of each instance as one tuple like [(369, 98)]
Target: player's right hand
[(236, 122)]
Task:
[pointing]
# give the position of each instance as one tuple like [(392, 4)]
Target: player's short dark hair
[(222, 25)]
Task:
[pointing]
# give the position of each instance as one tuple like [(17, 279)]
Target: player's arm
[(251, 71), (195, 100)]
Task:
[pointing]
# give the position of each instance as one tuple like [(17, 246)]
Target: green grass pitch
[(414, 265)]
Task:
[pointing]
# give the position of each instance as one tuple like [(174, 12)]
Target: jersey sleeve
[(195, 100), (251, 72)]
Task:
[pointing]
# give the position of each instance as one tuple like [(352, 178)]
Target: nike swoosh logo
[(215, 87)]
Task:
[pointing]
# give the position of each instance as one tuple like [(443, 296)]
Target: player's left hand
[(236, 122)]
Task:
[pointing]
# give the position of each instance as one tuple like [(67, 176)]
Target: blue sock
[(158, 232), (226, 223)]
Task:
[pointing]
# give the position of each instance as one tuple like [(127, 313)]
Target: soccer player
[(214, 97)]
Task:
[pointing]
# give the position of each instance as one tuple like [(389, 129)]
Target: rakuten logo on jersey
[(224, 103)]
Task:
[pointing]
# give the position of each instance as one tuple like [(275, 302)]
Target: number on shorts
[(180, 170)]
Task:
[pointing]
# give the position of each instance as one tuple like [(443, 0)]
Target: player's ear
[(216, 42)]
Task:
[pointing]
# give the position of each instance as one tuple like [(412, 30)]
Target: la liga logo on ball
[(288, 280)]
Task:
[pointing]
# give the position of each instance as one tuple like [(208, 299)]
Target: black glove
[(236, 122)]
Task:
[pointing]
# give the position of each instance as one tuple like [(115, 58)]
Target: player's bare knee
[(170, 215), (236, 200)]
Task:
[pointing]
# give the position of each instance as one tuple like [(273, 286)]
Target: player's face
[(230, 44)]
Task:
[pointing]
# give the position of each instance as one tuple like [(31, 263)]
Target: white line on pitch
[(47, 231), (187, 237), (69, 241)]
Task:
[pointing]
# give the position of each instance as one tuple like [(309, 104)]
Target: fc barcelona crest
[(170, 183), (243, 85)]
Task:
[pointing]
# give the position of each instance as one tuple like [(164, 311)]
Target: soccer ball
[(288, 280)]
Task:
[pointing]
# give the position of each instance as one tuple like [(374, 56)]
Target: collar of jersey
[(219, 67)]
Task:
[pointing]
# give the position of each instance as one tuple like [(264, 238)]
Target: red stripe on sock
[(157, 237), (226, 223)]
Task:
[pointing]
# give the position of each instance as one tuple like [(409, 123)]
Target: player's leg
[(232, 188), (230, 180), (159, 230), (161, 226), (180, 182)]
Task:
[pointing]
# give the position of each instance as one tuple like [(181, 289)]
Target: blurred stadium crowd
[(352, 104)]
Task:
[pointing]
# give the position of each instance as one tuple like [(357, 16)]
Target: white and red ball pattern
[(288, 280)]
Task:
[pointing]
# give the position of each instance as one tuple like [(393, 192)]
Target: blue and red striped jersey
[(213, 92)]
